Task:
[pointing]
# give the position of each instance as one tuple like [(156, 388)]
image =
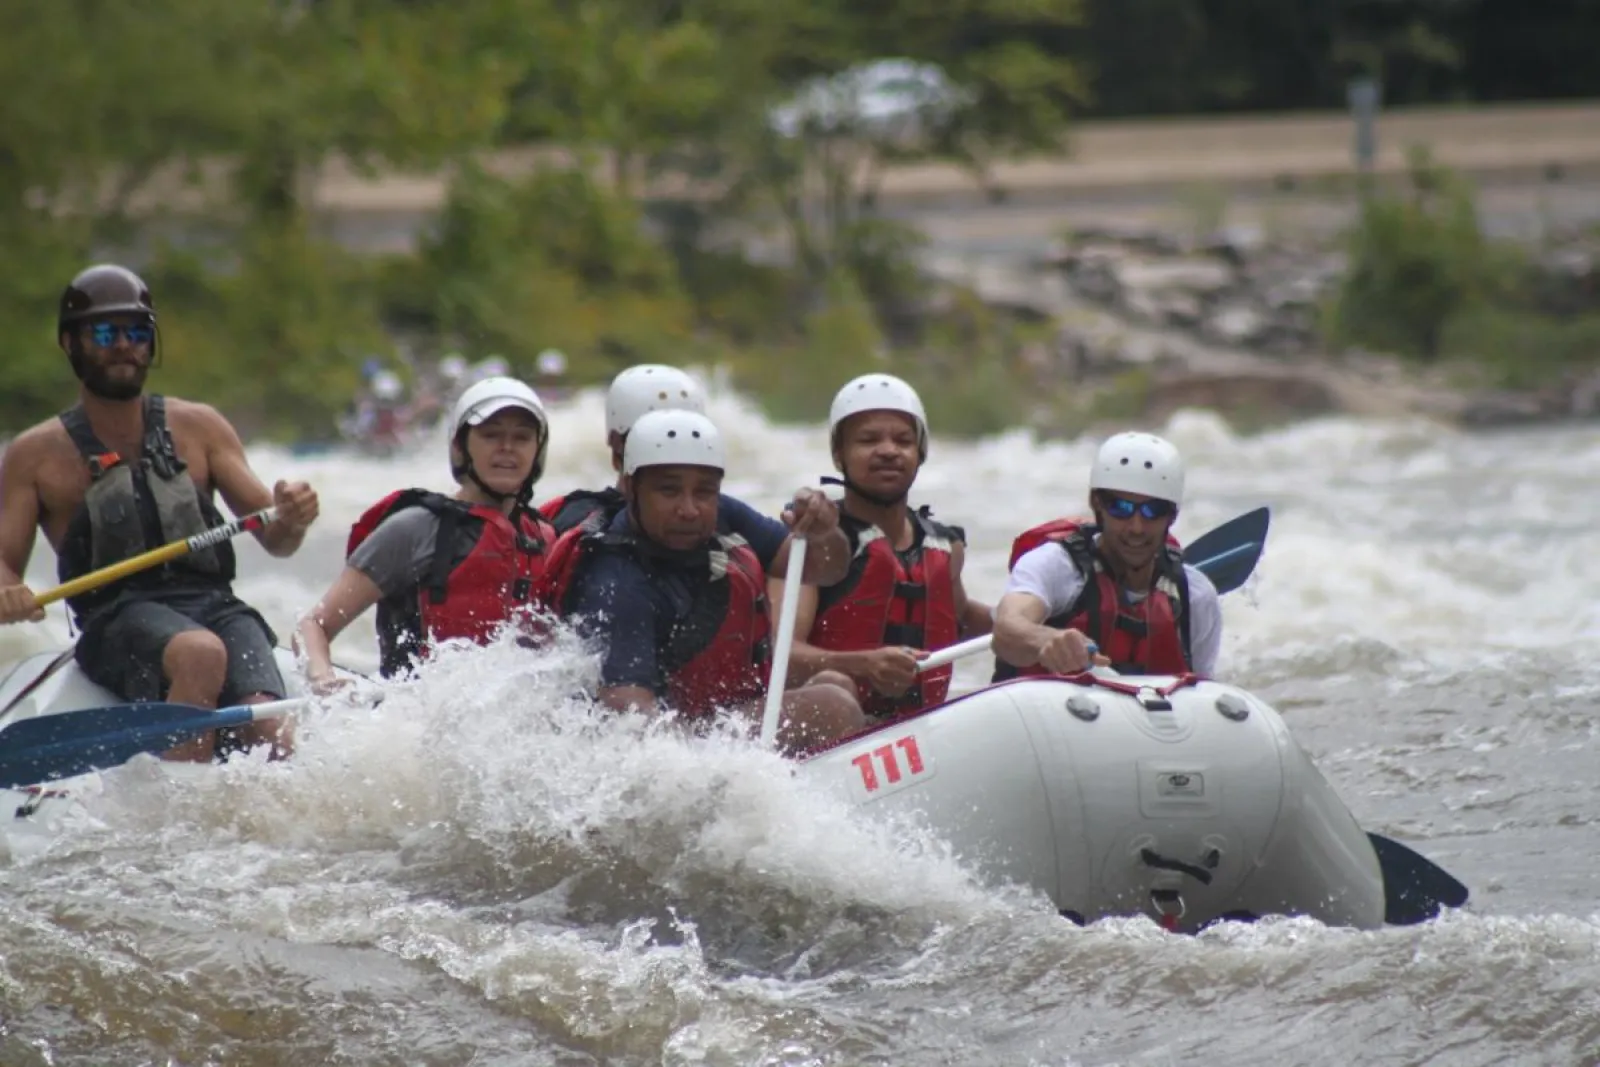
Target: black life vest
[(135, 505)]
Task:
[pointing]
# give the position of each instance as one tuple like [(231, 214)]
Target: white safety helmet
[(386, 385), (492, 367), (1139, 463), (482, 400), (878, 392), (552, 361), (671, 437), (650, 387), (453, 367)]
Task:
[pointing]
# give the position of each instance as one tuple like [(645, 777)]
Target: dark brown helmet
[(106, 289)]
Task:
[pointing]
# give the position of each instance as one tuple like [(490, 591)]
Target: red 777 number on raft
[(885, 755)]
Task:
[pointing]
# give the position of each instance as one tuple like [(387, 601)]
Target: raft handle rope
[(1152, 858)]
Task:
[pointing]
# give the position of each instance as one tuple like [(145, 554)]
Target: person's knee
[(836, 679), (817, 713), (197, 659), (277, 732)]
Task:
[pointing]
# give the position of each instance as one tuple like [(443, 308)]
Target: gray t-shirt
[(396, 555)]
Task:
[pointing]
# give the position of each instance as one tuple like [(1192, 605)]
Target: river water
[(485, 872)]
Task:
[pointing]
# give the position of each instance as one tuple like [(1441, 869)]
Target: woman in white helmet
[(442, 567), (902, 596), (635, 392), (676, 584), (1118, 585)]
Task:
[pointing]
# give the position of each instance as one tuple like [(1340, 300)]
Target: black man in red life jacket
[(441, 567), (636, 391), (675, 587), (902, 596), (1116, 590)]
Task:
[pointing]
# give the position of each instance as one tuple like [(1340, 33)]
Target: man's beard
[(96, 378)]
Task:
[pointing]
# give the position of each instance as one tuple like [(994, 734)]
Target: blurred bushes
[(1425, 282)]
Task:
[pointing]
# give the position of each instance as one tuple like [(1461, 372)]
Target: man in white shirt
[(1114, 591)]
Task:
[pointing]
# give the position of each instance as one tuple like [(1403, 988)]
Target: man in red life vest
[(902, 596), (675, 585), (1118, 586), (443, 567), (635, 392)]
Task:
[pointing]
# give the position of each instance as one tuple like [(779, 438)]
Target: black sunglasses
[(1120, 507)]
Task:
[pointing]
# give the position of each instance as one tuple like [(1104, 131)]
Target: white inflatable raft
[(1187, 802), (1184, 801)]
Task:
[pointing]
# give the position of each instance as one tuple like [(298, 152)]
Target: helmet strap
[(870, 497)]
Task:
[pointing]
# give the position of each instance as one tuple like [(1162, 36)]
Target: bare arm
[(351, 594), (244, 493), (973, 618), (889, 670), (19, 512), (806, 660), (19, 524), (1021, 639), (827, 558), (1019, 634)]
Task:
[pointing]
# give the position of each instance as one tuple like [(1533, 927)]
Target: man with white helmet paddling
[(1117, 586), (635, 392), (902, 596), (676, 586), (443, 567), (121, 473)]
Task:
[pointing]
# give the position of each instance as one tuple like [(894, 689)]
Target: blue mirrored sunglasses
[(1120, 507), (105, 334)]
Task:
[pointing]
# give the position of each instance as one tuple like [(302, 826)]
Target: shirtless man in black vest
[(122, 472)]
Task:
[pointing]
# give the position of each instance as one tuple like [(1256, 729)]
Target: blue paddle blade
[(1228, 554), (1414, 887), (76, 742)]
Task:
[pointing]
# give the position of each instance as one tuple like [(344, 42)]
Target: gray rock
[(1236, 324)]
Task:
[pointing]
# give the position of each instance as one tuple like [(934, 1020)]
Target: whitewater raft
[(1187, 801)]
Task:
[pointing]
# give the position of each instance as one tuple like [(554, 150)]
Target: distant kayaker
[(122, 472), (675, 586), (636, 391), (1118, 582), (902, 596), (441, 567)]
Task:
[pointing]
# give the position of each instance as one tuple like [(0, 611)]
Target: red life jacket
[(1150, 637), (598, 506), (714, 654), (885, 600), (484, 569)]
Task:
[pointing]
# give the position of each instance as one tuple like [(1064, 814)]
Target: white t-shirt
[(1047, 572)]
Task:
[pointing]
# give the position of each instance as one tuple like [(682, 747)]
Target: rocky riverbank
[(1232, 321)]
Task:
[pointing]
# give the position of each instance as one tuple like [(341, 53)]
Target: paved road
[(1538, 166)]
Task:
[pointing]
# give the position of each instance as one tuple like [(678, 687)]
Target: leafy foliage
[(658, 140)]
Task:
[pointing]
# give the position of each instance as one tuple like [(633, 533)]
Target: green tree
[(555, 260), (1416, 261)]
